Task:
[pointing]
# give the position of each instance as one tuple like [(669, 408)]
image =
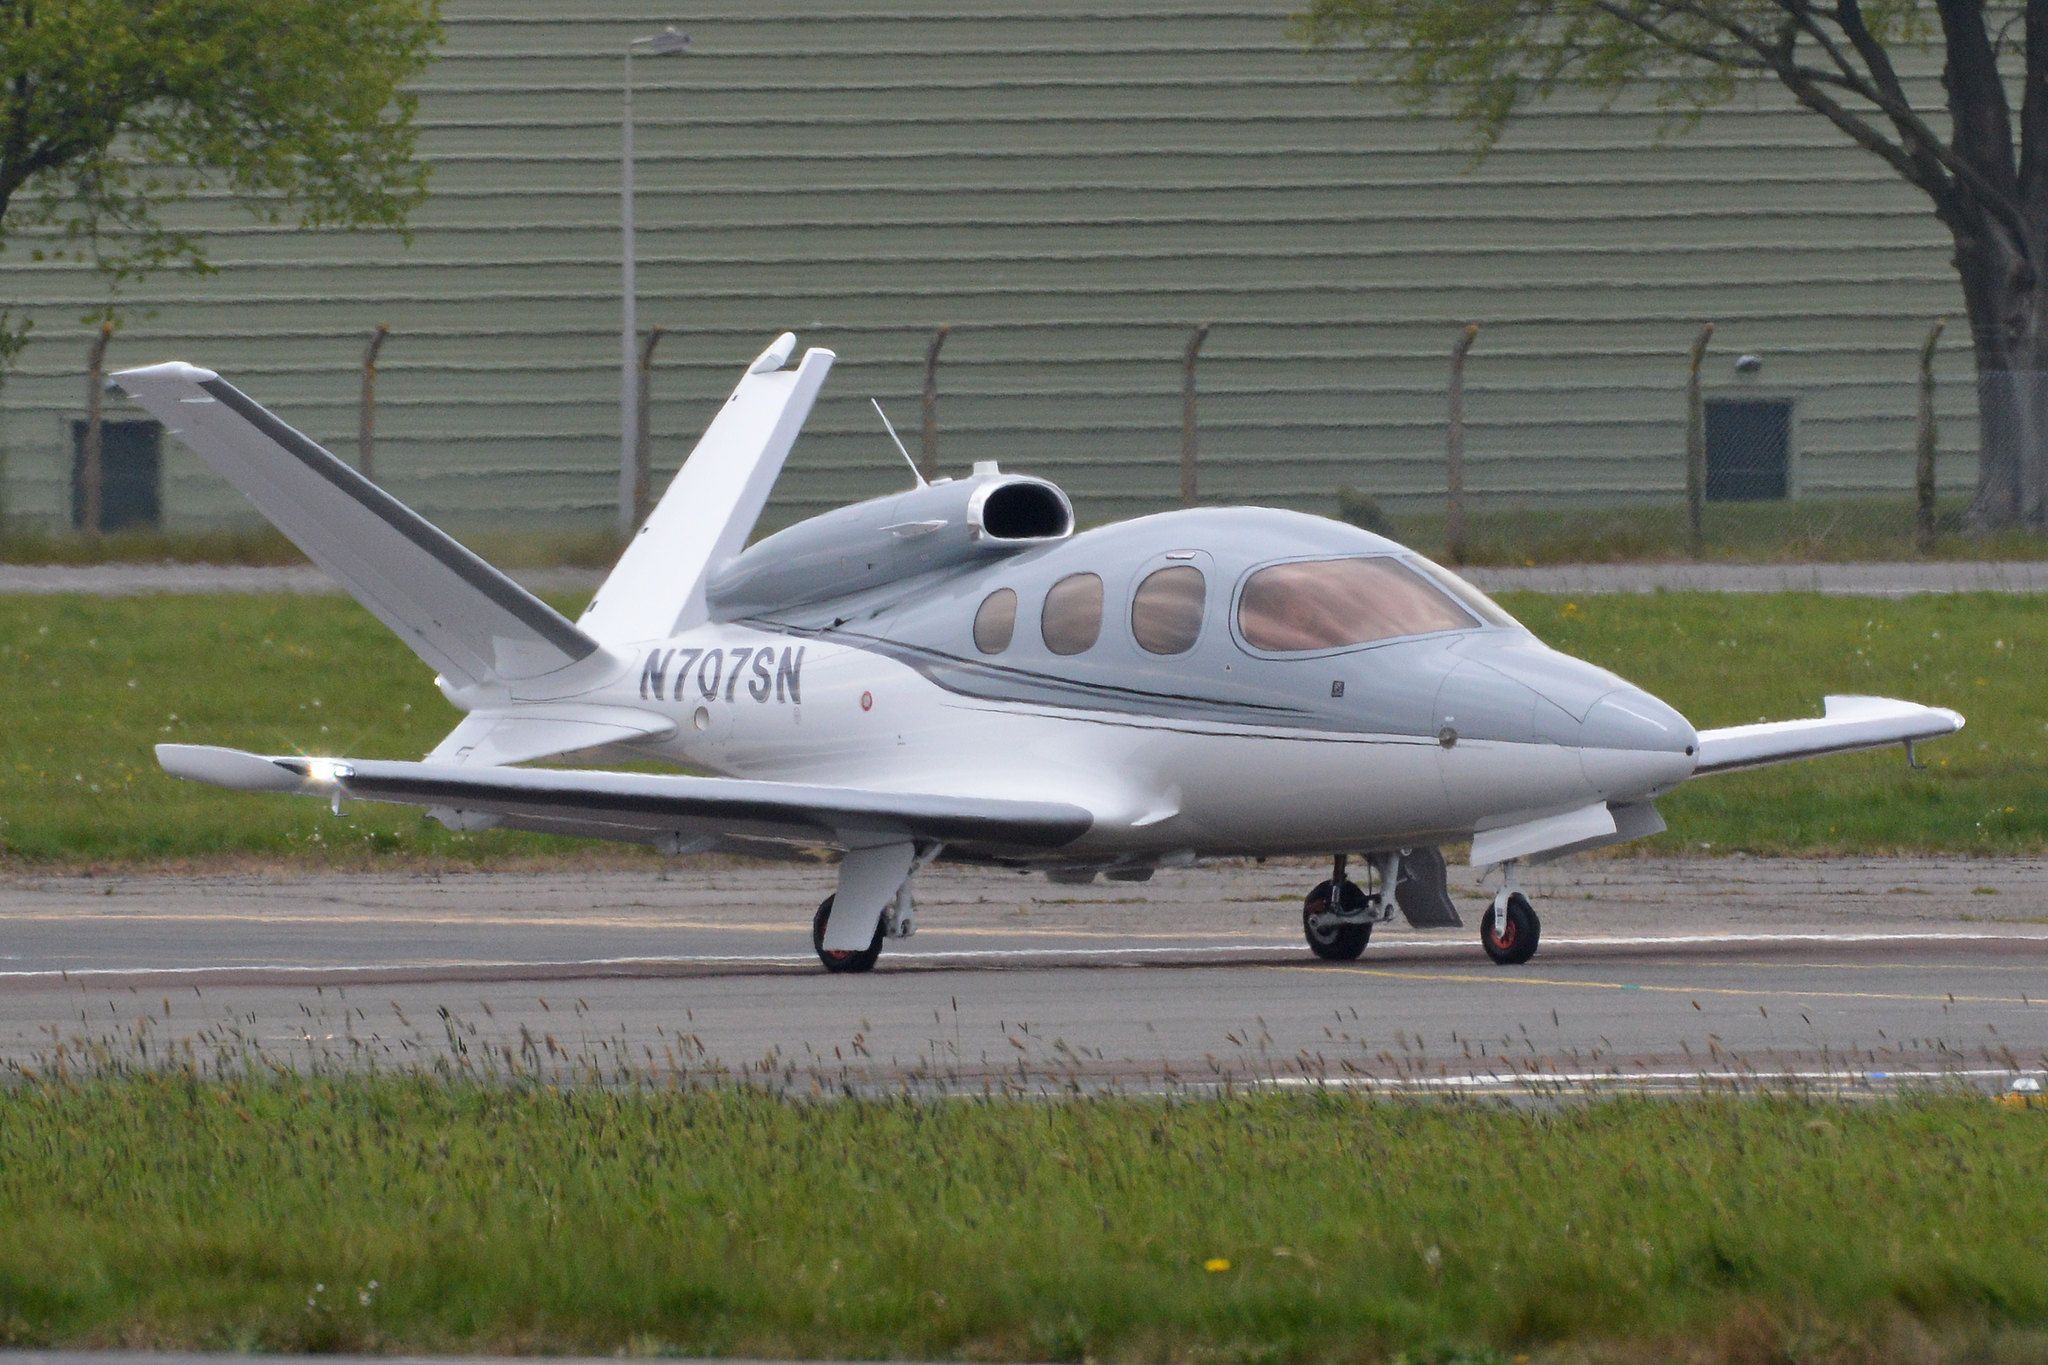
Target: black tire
[(1515, 942), (1335, 943), (861, 961)]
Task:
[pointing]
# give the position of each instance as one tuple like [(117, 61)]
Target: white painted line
[(1291, 949), (1541, 1078)]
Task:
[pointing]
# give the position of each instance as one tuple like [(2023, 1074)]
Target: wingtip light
[(776, 356), (173, 370)]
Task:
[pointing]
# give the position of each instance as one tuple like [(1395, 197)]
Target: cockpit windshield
[(1478, 602), (1333, 603)]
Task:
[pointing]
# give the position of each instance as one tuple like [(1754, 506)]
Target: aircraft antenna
[(890, 427)]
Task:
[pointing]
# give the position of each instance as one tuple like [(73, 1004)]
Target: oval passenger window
[(1166, 611), (1072, 620), (996, 621)]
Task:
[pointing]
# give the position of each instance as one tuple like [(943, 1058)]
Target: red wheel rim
[(1502, 940)]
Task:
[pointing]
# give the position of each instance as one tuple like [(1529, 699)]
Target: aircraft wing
[(1848, 724), (646, 807)]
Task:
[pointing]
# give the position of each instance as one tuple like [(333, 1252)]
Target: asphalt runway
[(1655, 974)]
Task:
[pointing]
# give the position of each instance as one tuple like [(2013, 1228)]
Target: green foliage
[(401, 1213), (297, 108), (13, 333), (1487, 59)]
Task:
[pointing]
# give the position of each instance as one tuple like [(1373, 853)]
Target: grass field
[(91, 683), (1798, 531), (406, 1213)]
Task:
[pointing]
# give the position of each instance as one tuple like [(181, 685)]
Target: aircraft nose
[(1632, 744)]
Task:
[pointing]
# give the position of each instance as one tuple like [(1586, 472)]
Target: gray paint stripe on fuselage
[(951, 672)]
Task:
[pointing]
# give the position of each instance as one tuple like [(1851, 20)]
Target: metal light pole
[(669, 40)]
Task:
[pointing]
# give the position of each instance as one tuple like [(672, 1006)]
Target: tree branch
[(1886, 90), (1991, 186)]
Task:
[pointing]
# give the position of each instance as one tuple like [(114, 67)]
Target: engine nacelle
[(883, 540)]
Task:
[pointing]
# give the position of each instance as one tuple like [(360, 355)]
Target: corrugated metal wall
[(1071, 184)]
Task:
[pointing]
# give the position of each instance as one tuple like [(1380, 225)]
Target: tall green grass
[(406, 1213), (88, 684)]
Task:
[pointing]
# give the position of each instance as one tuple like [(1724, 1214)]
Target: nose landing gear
[(1329, 937), (1337, 917)]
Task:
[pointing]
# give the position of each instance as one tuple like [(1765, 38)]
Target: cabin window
[(1072, 620), (1332, 603), (996, 621), (1166, 611)]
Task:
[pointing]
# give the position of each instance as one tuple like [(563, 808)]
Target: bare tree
[(1982, 163)]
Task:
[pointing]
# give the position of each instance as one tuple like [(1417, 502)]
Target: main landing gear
[(1337, 918), (860, 960), (897, 921), (874, 879)]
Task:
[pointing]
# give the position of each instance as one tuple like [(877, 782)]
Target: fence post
[(1923, 446), (366, 414), (643, 435), (1454, 448), (928, 447), (91, 476), (1696, 449), (1188, 479)]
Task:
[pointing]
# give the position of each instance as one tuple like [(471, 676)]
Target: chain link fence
[(1503, 447)]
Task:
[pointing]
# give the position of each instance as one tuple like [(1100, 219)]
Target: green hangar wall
[(1071, 184)]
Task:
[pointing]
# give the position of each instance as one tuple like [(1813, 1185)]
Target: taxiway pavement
[(1652, 972)]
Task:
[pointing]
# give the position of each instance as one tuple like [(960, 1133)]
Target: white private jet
[(952, 671)]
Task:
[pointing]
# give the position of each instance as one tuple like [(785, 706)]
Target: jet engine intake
[(936, 526)]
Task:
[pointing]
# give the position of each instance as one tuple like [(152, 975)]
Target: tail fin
[(657, 587), (467, 620)]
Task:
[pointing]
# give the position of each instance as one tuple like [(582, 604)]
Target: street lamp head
[(670, 39)]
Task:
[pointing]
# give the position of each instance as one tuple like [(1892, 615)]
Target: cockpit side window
[(1166, 610), (1332, 603), (1072, 619), (995, 621)]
